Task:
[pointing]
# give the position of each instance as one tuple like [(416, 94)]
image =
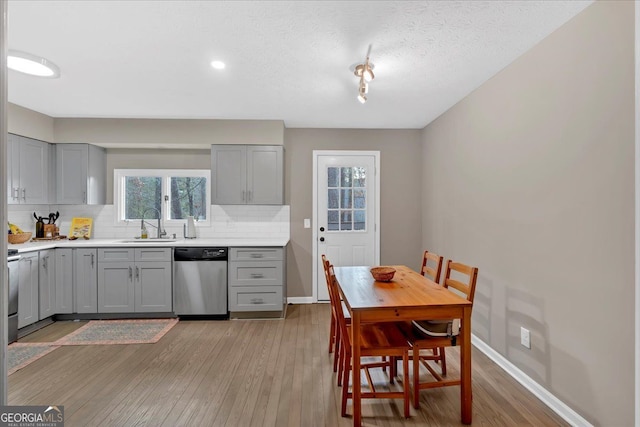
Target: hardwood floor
[(244, 373)]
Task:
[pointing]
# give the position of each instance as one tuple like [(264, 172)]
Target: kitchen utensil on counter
[(39, 226), (190, 228)]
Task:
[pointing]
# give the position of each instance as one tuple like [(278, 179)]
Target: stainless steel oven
[(12, 267)]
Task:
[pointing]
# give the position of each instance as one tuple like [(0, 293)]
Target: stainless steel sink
[(148, 241)]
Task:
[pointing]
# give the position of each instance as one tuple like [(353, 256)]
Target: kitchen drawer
[(256, 298), (153, 254), (115, 254), (256, 254), (261, 273)]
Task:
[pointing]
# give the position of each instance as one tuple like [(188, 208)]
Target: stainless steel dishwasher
[(200, 282)]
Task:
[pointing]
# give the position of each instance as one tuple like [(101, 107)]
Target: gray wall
[(531, 179), (25, 122), (400, 194)]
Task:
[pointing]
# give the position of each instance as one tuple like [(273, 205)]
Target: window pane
[(345, 177), (332, 218), (359, 177), (143, 196), (332, 177), (359, 199), (359, 220), (345, 220), (188, 197), (333, 199), (345, 199)]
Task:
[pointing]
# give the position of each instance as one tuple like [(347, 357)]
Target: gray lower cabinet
[(64, 281), (256, 279), (28, 301), (134, 280), (85, 280), (47, 283)]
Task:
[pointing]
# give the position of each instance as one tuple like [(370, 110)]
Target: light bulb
[(362, 98), (367, 74)]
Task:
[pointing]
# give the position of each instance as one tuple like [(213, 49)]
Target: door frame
[(314, 199)]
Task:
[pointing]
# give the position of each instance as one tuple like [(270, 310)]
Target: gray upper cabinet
[(81, 172), (29, 170), (247, 174)]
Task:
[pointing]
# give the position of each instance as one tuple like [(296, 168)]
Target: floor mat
[(20, 355), (139, 331)]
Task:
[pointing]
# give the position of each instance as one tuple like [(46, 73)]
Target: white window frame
[(119, 176)]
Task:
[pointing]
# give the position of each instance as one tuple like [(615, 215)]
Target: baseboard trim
[(300, 300), (555, 404)]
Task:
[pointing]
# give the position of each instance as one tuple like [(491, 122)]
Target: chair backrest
[(334, 294), (433, 272), (468, 289)]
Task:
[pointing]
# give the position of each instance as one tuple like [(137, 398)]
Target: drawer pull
[(257, 255), (257, 301), (257, 276)]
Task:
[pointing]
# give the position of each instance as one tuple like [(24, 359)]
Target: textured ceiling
[(285, 61)]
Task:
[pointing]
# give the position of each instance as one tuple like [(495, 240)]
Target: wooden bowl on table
[(383, 274), (18, 238)]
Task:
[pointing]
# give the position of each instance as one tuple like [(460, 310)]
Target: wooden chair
[(377, 339), (432, 272), (431, 334), (334, 332)]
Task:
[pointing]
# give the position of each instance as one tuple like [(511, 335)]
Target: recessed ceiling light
[(31, 64), (218, 65)]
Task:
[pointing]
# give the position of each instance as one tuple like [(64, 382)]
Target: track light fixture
[(365, 73)]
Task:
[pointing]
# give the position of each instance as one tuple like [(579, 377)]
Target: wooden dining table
[(408, 296)]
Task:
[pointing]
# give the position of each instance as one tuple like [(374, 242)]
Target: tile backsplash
[(237, 221)]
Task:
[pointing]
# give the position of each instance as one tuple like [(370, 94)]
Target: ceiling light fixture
[(365, 73), (218, 65), (31, 64)]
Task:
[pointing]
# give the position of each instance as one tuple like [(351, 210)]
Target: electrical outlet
[(525, 337), (307, 223)]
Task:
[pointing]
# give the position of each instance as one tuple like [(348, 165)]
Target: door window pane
[(359, 199), (332, 177), (345, 199), (359, 177), (332, 203), (345, 220), (333, 220), (359, 218), (345, 177)]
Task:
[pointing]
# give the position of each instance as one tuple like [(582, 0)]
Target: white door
[(346, 211)]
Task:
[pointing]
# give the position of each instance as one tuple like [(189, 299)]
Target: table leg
[(355, 351), (465, 367)]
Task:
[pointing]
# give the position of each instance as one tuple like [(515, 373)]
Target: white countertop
[(123, 242)]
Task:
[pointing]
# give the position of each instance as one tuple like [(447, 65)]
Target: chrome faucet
[(161, 232)]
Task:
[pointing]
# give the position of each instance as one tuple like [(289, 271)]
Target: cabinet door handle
[(15, 193), (44, 263), (91, 260), (257, 301), (130, 273), (137, 273), (249, 196), (243, 195), (24, 194), (84, 197), (257, 255), (257, 275)]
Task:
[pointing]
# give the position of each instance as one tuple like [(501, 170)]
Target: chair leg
[(443, 360), (332, 334), (336, 352), (416, 377), (341, 365), (345, 386), (405, 383)]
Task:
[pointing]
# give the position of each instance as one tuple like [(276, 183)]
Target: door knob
[(322, 239)]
